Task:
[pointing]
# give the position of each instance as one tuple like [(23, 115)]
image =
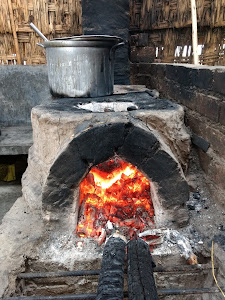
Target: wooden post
[(194, 32), (18, 58)]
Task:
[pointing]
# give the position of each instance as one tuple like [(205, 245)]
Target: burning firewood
[(111, 278), (141, 283), (102, 237), (82, 210), (114, 191), (152, 232)]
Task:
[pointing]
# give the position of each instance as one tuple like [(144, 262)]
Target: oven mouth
[(114, 197)]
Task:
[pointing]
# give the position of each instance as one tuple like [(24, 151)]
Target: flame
[(114, 191)]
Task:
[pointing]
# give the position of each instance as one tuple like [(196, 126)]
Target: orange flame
[(114, 191)]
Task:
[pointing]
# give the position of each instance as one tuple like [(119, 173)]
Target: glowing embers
[(114, 195)]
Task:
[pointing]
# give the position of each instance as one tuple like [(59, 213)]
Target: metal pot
[(81, 66)]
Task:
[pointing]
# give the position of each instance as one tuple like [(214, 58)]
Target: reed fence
[(55, 18), (168, 25), (166, 22)]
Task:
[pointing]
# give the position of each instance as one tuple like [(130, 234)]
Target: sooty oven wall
[(132, 143), (110, 18)]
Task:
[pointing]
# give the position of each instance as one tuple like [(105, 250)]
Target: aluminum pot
[(81, 66)]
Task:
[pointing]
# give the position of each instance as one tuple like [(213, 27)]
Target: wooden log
[(102, 237), (111, 279), (141, 283)]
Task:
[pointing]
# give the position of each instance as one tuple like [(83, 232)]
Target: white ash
[(102, 106), (67, 249), (174, 242), (109, 225), (182, 242)]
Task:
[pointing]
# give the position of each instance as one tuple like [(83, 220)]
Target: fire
[(114, 193)]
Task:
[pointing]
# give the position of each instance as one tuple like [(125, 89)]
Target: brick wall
[(201, 90)]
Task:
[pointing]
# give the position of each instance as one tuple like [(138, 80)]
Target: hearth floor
[(173, 282)]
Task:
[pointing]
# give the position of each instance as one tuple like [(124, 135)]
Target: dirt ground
[(207, 219), (206, 216)]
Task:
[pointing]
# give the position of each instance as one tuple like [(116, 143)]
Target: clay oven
[(71, 137)]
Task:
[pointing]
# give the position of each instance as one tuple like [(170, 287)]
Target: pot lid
[(84, 41), (89, 38)]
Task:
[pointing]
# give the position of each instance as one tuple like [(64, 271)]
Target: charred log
[(141, 283), (111, 279)]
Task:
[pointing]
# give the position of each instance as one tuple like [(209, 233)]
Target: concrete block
[(186, 96), (134, 70), (22, 88), (222, 113), (15, 140), (216, 171), (219, 81), (201, 78), (183, 75), (206, 130), (204, 159), (144, 68), (171, 72), (208, 106)]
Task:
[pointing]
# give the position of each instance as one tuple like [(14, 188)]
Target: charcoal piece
[(221, 227), (196, 196), (200, 142), (82, 210), (130, 108), (111, 279), (110, 165), (191, 205), (141, 283)]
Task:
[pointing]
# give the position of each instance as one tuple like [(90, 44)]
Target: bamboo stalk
[(18, 57), (194, 32)]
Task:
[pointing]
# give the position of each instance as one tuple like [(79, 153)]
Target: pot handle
[(38, 32), (113, 49), (41, 45)]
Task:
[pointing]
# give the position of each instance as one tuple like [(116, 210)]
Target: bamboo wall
[(165, 24), (168, 25), (54, 18)]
